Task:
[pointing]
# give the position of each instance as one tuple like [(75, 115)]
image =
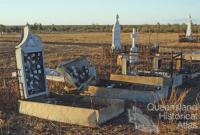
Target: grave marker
[(30, 65), (189, 29), (116, 33), (133, 50)]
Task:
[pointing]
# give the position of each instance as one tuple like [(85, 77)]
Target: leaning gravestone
[(78, 72), (30, 65)]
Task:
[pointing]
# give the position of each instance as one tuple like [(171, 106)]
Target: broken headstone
[(78, 72)]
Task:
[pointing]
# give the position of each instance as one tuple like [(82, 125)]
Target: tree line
[(161, 28)]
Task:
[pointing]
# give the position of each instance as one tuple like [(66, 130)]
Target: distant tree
[(2, 28), (53, 27)]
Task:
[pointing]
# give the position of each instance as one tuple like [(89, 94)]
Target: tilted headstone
[(78, 72), (30, 65), (116, 33), (133, 50)]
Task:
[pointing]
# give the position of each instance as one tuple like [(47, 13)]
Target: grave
[(135, 88), (142, 86), (37, 101)]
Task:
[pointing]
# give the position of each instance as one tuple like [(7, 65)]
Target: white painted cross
[(133, 50)]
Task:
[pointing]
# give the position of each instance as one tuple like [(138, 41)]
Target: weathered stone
[(127, 94), (116, 39), (30, 65), (142, 121), (78, 72), (189, 28), (157, 81), (73, 115)]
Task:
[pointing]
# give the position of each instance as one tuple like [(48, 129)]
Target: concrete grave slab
[(127, 94), (192, 56), (148, 80), (135, 88), (92, 111)]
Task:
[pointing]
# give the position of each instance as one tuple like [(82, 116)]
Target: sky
[(85, 12)]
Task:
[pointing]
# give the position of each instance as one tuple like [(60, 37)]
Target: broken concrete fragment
[(142, 121), (54, 75), (51, 72)]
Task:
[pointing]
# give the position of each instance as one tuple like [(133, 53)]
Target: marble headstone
[(30, 65), (116, 33)]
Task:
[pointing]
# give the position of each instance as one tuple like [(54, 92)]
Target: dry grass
[(175, 98), (170, 127), (101, 37)]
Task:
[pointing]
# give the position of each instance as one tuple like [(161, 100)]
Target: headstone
[(124, 64), (116, 33), (78, 72), (189, 28), (133, 50), (30, 65)]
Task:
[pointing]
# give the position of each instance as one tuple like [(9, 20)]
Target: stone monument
[(30, 65), (116, 33), (189, 29)]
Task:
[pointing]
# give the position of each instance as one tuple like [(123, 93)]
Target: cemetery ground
[(60, 47)]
